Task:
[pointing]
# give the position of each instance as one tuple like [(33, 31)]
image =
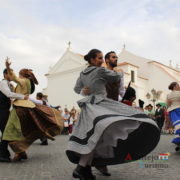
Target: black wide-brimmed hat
[(141, 103), (158, 104), (130, 92), (149, 105)]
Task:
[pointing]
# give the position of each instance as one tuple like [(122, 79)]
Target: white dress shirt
[(36, 101), (174, 97), (5, 89)]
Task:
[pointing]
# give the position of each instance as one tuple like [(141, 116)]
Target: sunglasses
[(114, 57)]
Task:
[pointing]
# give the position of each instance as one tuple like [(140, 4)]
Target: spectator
[(159, 116), (72, 119), (66, 117), (149, 111), (40, 97)]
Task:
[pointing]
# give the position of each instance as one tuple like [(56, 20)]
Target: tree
[(154, 96)]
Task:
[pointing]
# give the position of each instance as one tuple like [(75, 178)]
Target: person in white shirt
[(39, 97), (5, 103), (72, 120), (66, 117)]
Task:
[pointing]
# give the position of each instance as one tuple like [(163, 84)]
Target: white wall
[(141, 88), (159, 80), (60, 89), (124, 68)]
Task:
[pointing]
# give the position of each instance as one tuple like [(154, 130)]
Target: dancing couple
[(107, 131), (27, 121)]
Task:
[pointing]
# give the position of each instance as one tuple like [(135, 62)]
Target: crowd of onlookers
[(70, 118), (161, 116)]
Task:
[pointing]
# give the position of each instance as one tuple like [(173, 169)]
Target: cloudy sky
[(35, 33)]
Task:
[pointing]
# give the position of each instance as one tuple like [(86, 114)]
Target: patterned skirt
[(175, 119), (25, 125), (114, 132)]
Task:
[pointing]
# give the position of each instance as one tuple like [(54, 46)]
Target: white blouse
[(5, 89), (174, 97)]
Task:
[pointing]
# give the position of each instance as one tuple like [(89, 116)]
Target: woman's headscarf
[(27, 73)]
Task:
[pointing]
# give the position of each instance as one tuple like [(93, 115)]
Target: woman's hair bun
[(172, 85), (86, 57), (91, 55)]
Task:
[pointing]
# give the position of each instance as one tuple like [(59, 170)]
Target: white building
[(146, 74)]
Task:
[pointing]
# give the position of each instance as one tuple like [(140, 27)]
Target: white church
[(145, 75)]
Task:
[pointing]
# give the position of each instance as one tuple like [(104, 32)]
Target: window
[(132, 76)]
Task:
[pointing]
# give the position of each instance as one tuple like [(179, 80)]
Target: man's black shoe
[(5, 159), (44, 143), (80, 173), (91, 176)]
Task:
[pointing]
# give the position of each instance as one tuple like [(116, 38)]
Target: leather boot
[(91, 176), (103, 170), (80, 172)]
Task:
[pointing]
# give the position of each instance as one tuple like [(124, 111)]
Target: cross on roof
[(69, 45)]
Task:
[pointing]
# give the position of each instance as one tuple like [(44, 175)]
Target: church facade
[(145, 75)]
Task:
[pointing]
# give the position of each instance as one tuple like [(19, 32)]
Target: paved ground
[(50, 163)]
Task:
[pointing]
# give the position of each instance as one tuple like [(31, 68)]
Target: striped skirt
[(115, 132), (175, 119)]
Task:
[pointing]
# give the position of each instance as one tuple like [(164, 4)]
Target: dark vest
[(5, 102), (112, 89)]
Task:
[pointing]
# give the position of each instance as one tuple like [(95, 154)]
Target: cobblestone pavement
[(50, 163)]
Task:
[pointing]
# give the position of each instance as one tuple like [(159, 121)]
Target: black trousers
[(65, 130), (160, 123), (4, 115)]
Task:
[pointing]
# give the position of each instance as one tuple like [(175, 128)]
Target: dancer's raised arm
[(12, 75)]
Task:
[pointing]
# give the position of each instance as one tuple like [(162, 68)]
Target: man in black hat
[(5, 104), (159, 116)]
